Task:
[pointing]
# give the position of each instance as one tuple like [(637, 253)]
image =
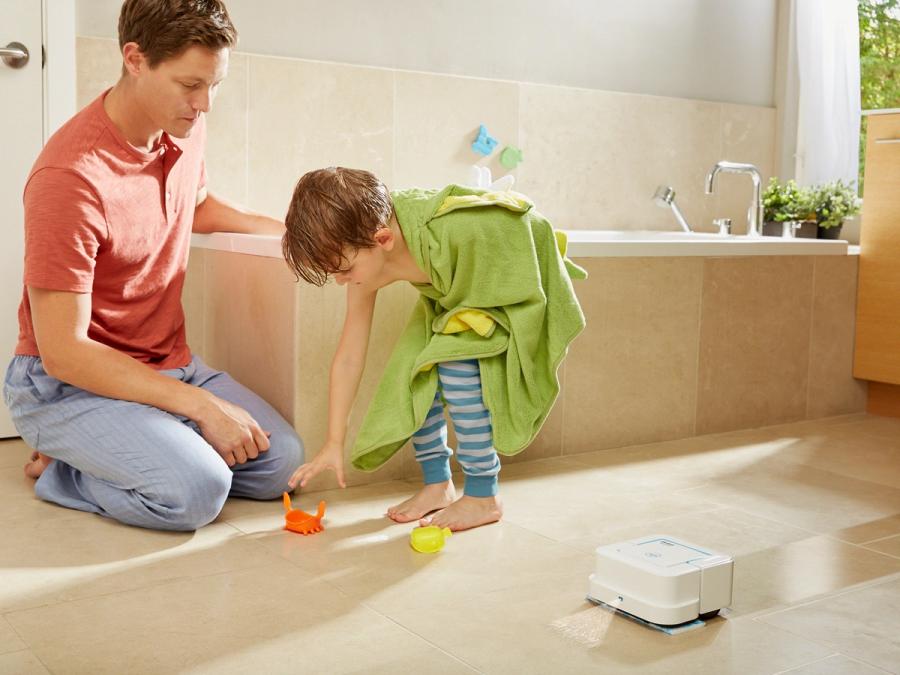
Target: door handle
[(15, 55)]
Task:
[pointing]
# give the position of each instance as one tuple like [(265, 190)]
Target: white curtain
[(825, 89)]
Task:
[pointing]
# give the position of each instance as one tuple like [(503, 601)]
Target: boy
[(494, 320)]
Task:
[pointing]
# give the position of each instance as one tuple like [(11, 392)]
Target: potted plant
[(833, 203), (788, 203)]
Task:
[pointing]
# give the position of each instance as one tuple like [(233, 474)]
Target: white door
[(21, 137)]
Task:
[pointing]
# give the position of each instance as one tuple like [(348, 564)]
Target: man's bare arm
[(61, 320), (215, 214)]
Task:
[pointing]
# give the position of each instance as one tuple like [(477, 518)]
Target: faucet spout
[(755, 214)]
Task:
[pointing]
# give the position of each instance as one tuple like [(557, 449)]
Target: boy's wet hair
[(333, 212), (164, 29)]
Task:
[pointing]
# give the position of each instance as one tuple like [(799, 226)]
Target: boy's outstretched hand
[(331, 456)]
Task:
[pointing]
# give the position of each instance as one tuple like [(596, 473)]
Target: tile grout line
[(861, 586), (808, 663), (31, 652), (812, 321), (699, 350), (28, 647), (877, 539), (421, 637), (827, 646)]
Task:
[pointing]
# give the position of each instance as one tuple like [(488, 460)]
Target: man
[(123, 420)]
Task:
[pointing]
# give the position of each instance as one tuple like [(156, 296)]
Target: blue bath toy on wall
[(484, 144)]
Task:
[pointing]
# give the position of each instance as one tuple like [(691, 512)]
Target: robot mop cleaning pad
[(665, 582)]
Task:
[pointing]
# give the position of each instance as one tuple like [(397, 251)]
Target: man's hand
[(231, 430), (331, 456)]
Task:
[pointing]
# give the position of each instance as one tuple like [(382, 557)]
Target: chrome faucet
[(665, 197), (755, 214)]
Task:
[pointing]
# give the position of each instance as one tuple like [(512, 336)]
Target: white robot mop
[(663, 582)]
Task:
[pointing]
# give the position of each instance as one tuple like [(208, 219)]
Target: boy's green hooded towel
[(500, 292)]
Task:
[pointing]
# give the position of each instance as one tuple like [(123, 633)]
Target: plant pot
[(829, 232)]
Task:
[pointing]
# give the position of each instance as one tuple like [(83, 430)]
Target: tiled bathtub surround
[(675, 347), (592, 158)]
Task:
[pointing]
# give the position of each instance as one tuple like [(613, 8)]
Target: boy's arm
[(346, 371), (214, 214)]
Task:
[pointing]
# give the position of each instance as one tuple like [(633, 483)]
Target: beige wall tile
[(547, 443), (305, 115), (226, 142), (320, 314), (222, 280), (593, 159), (832, 387), (437, 118), (249, 324), (748, 135), (631, 376), (98, 64), (754, 342), (193, 301)]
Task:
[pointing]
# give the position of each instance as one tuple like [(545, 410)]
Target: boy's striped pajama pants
[(460, 386)]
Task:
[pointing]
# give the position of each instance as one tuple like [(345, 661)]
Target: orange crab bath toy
[(302, 522)]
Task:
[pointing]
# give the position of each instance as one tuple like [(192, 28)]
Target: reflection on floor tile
[(14, 453), (836, 664), (810, 511), (9, 641), (888, 545), (265, 619), (861, 624), (53, 562), (22, 663)]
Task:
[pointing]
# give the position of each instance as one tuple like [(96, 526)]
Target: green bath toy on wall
[(511, 157)]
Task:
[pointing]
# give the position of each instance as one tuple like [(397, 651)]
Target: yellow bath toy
[(429, 539)]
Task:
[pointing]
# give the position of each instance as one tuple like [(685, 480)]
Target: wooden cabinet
[(877, 351)]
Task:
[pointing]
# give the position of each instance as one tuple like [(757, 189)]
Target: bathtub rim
[(581, 246)]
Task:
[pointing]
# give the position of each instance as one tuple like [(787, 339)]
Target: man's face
[(177, 90)]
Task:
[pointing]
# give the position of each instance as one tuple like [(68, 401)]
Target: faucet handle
[(789, 228), (724, 225)]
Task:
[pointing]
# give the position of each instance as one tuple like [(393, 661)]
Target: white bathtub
[(634, 243), (599, 244)]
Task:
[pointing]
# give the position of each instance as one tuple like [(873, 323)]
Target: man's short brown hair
[(163, 29), (333, 211)]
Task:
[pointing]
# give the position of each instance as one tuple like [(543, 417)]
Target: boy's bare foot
[(428, 499), (36, 466), (466, 513)]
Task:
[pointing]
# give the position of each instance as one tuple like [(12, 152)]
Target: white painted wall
[(59, 68), (716, 50)]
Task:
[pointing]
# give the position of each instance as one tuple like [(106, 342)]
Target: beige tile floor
[(811, 512)]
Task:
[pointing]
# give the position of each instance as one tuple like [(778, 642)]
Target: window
[(879, 61)]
